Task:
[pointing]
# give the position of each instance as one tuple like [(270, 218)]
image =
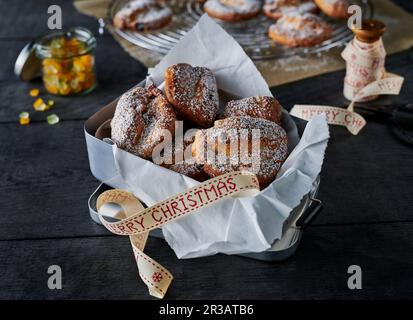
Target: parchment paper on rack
[(234, 225)]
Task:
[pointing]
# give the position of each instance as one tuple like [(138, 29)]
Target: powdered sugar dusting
[(257, 107), (297, 26), (279, 8), (154, 14), (133, 6), (140, 14), (193, 92), (272, 147), (338, 2), (188, 169), (233, 6), (141, 116), (335, 8)]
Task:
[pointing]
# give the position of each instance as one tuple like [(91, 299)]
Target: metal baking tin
[(102, 166)]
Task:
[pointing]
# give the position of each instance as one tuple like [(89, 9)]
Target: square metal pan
[(102, 166)]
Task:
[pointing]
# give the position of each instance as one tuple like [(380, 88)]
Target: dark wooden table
[(367, 185)]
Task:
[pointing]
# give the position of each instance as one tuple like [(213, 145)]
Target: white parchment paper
[(236, 225)]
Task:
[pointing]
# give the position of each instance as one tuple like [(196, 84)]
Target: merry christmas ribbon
[(365, 78), (334, 115), (137, 221)]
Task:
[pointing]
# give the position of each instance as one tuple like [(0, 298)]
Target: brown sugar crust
[(193, 92)]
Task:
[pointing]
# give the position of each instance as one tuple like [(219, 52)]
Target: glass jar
[(68, 62)]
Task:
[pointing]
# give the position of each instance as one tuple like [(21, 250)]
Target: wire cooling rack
[(251, 34)]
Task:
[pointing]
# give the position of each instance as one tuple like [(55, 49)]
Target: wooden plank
[(405, 4), (366, 178), (327, 88), (359, 172), (44, 170), (9, 51), (15, 99), (113, 79), (103, 268), (29, 18), (45, 181), (116, 78)]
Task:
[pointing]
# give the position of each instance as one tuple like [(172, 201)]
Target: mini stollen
[(365, 79)]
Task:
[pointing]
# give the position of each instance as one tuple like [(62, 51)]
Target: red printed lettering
[(183, 203), (198, 193), (211, 189), (193, 203), (222, 185), (335, 114), (347, 118), (174, 206), (130, 226), (231, 184), (166, 210), (156, 218)]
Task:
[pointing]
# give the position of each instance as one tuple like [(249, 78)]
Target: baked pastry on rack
[(193, 92), (140, 117), (267, 108), (337, 9), (143, 15), (275, 9), (300, 30), (232, 10), (272, 148)]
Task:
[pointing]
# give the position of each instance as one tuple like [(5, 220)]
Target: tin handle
[(309, 215)]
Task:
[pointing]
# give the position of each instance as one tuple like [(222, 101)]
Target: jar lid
[(371, 30), (28, 66)]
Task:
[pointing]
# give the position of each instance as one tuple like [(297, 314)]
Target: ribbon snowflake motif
[(157, 277)]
